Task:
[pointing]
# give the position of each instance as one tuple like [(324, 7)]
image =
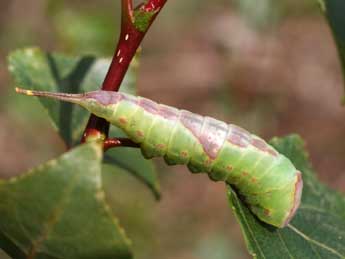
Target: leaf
[(334, 12), (318, 229), (143, 169), (80, 32), (34, 69), (58, 210), (131, 160)]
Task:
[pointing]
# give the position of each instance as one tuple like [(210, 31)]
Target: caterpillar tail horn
[(73, 98), (96, 102)]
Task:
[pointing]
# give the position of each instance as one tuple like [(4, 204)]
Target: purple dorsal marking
[(210, 133), (259, 144), (105, 97), (192, 121), (238, 136), (213, 136), (263, 146), (129, 98), (168, 112), (148, 105)]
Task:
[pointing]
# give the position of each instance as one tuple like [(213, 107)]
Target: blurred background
[(269, 66)]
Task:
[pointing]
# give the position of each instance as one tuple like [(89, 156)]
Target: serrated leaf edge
[(100, 194)]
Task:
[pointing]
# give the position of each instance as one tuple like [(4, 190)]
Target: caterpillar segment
[(266, 180)]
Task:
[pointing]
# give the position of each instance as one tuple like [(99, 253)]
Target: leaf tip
[(157, 192)]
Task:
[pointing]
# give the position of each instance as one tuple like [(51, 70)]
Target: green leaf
[(142, 168), (34, 69), (82, 31), (58, 210), (131, 160), (334, 11), (318, 229)]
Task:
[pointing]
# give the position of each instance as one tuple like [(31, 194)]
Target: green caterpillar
[(266, 180)]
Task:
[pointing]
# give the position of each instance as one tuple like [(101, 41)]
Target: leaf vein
[(315, 242), (284, 244), (52, 220)]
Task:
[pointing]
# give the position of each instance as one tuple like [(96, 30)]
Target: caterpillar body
[(267, 181)]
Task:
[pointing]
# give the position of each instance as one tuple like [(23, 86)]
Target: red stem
[(118, 142), (129, 42)]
